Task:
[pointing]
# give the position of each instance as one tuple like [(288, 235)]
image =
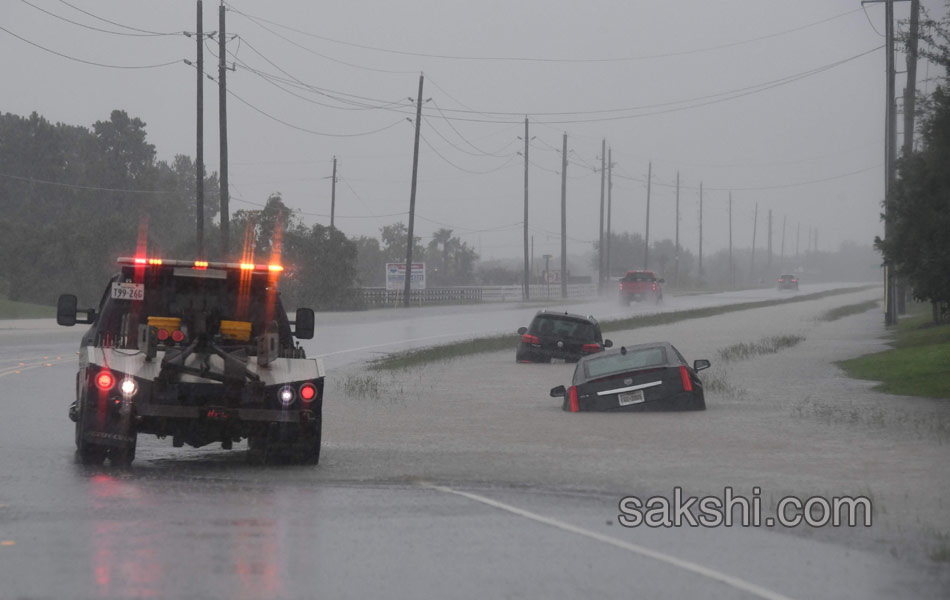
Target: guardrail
[(381, 297)]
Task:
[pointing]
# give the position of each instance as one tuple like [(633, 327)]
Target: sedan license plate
[(635, 397)]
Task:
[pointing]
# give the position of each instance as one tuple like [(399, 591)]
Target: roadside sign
[(396, 276)]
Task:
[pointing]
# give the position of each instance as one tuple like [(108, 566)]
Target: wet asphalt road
[(187, 523)]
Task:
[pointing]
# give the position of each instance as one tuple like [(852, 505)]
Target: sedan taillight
[(530, 339), (572, 398), (687, 380)]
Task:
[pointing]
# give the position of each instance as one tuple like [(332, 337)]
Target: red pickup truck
[(640, 285)]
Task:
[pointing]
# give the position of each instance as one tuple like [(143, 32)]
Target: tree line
[(918, 204), (73, 198)]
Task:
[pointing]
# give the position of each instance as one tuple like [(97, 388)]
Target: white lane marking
[(740, 584), (642, 386)]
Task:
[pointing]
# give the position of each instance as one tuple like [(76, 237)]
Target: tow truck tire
[(86, 453), (311, 452), (123, 457)]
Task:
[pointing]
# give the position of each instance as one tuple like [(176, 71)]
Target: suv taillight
[(590, 348), (530, 339)]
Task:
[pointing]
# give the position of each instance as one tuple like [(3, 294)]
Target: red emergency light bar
[(201, 265)]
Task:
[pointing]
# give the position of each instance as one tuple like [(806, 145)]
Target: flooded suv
[(554, 335), (199, 352)]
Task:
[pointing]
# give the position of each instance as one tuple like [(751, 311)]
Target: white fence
[(380, 297)]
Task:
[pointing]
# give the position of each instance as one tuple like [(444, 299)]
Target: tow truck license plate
[(122, 290), (634, 397)]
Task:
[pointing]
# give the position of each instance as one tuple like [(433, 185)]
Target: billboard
[(396, 276)]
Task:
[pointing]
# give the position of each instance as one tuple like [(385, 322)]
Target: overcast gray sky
[(780, 102)]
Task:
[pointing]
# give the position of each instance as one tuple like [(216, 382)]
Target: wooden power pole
[(646, 246), (412, 197), (564, 219), (199, 152), (676, 258), (223, 135), (755, 222), (600, 248), (700, 230), (527, 280), (333, 196)]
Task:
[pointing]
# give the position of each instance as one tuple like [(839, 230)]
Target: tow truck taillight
[(687, 380), (590, 348), (572, 398), (162, 335), (105, 380), (308, 392), (178, 335), (530, 339), (654, 287)]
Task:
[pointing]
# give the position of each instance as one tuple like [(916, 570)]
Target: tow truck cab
[(201, 352)]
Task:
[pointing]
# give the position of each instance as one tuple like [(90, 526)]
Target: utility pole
[(610, 189), (890, 304), (816, 239), (768, 264), (781, 259), (527, 281), (646, 247), (600, 248), (755, 223), (564, 219), (199, 153), (798, 240), (412, 197), (676, 258), (910, 98), (223, 135), (333, 196), (700, 230), (732, 269)]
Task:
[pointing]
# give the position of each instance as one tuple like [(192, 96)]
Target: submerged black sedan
[(643, 377)]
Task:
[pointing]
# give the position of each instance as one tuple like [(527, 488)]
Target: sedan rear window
[(609, 364)]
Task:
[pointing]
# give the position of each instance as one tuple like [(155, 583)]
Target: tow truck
[(201, 352)]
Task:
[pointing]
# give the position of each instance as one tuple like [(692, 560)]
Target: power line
[(83, 25), (440, 155), (114, 23), (259, 20), (297, 127), (315, 53), (88, 62), (88, 187)]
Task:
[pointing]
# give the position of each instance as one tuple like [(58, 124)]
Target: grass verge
[(10, 309), (767, 345), (918, 365), (412, 358), (848, 309)]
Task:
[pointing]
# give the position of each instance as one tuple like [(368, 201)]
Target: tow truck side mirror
[(304, 324), (66, 310)]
